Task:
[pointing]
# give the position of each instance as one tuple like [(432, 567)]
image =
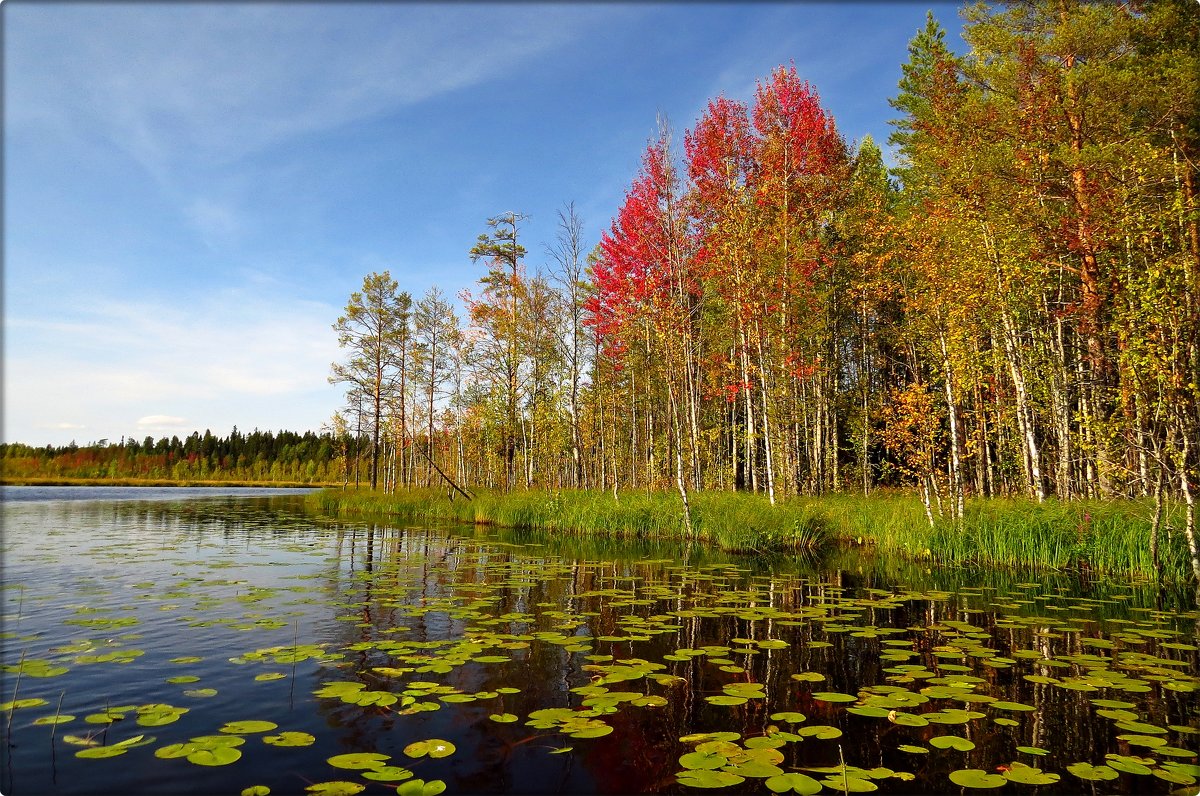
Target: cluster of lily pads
[(804, 675)]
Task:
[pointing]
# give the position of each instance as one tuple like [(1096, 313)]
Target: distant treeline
[(258, 456)]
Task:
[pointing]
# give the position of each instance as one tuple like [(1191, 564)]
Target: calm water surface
[(206, 644)]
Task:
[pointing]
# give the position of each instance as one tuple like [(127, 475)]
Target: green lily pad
[(256, 790), (1129, 764), (419, 787), (387, 774), (17, 704), (62, 718), (97, 752), (704, 778), (791, 717), (833, 696), (907, 719), (820, 731), (793, 782), (336, 788), (754, 769), (868, 711), (1141, 727), (1174, 777), (913, 750), (702, 760), (503, 718), (1092, 773), (1028, 775), (725, 699), (356, 760), (434, 747), (289, 738), (248, 727), (159, 715), (951, 742), (1033, 750), (809, 677), (215, 756), (976, 778), (848, 784)]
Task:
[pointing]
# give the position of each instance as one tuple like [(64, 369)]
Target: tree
[(374, 330), (436, 332), (570, 259), (494, 315)]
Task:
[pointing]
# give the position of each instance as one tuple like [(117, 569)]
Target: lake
[(180, 641)]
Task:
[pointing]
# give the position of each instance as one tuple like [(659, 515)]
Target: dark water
[(122, 613)]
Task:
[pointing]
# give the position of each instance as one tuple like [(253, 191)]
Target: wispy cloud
[(212, 219), (154, 422), (234, 359), (212, 84)]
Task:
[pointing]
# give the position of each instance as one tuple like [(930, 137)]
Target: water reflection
[(371, 638)]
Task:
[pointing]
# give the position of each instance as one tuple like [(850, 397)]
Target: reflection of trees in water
[(447, 587)]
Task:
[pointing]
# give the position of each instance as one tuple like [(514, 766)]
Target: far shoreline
[(160, 482)]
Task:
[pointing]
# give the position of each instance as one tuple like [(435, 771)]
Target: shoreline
[(1106, 539), (160, 482)]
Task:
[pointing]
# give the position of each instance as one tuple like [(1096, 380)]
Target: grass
[(730, 522), (1107, 538)]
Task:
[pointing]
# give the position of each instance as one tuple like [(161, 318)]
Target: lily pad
[(793, 782), (1028, 775), (419, 787), (833, 696), (336, 788), (976, 778), (388, 774), (704, 778), (289, 738), (1087, 771), (434, 747), (702, 760), (248, 727), (356, 760)]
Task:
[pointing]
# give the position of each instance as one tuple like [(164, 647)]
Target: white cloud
[(237, 358), (161, 421), (66, 426)]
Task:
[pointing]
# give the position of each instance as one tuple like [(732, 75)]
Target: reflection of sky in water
[(223, 579), (13, 494)]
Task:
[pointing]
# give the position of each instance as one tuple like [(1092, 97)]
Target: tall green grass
[(730, 522), (1109, 538)]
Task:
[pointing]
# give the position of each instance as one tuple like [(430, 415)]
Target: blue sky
[(192, 191)]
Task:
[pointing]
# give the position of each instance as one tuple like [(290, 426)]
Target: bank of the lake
[(161, 482), (1109, 538)]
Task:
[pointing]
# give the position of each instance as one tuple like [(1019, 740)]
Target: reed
[(1107, 538), (730, 522)]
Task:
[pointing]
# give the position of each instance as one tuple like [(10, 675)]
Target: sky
[(193, 191)]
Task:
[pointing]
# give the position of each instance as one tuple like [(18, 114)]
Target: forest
[(1011, 310), (260, 456)]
